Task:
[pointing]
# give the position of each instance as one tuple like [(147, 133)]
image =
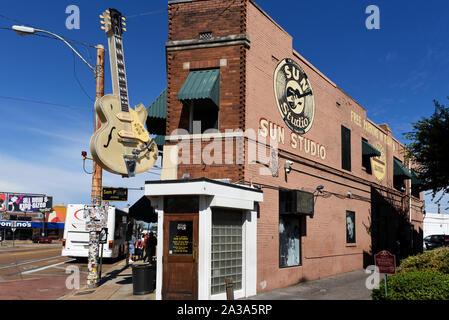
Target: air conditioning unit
[(297, 202)]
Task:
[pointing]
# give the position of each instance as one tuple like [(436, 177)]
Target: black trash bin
[(143, 275)]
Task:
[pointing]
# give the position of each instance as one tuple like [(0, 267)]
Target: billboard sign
[(28, 203), (2, 202)]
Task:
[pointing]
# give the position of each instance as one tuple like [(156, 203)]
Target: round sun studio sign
[(294, 96)]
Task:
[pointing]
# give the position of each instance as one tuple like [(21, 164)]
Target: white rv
[(76, 239)]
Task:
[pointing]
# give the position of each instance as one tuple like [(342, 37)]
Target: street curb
[(85, 287)]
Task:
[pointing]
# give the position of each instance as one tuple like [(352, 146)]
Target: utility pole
[(97, 175)]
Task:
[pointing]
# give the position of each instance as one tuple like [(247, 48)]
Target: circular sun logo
[(294, 96)]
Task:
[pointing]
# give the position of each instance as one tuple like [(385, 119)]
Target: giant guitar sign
[(122, 145)]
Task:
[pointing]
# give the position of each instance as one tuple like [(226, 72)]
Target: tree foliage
[(429, 148)]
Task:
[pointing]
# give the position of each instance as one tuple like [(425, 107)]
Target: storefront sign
[(181, 237), (17, 224), (26, 203), (294, 96), (303, 145), (379, 164), (114, 194), (30, 225)]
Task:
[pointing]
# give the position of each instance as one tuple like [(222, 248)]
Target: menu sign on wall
[(181, 237)]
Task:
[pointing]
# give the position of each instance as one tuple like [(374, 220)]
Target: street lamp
[(23, 31), (99, 81)]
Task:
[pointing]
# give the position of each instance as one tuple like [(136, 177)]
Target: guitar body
[(121, 133)]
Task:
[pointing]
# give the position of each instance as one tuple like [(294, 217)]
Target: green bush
[(434, 260), (414, 285)]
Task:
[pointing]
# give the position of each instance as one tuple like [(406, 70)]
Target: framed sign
[(114, 194), (181, 237)]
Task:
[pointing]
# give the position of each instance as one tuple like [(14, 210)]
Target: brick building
[(271, 174)]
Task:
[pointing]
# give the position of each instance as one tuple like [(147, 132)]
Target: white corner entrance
[(207, 233)]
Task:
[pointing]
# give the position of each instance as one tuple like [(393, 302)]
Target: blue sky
[(394, 72)]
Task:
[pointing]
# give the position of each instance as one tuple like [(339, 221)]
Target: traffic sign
[(13, 226), (386, 262)]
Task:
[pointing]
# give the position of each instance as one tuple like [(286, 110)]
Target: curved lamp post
[(23, 31)]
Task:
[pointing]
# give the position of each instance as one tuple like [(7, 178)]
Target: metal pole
[(101, 262), (99, 80), (386, 285)]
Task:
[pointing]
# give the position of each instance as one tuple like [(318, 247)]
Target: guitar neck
[(118, 71)]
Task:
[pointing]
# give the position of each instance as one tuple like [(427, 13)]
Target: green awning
[(160, 141), (158, 109), (369, 150), (415, 179), (400, 170), (201, 84), (157, 115)]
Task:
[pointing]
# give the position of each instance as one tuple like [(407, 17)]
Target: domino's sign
[(18, 224)]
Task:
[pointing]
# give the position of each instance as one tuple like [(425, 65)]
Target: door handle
[(195, 253)]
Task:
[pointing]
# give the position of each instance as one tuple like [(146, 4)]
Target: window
[(345, 148), (350, 227), (203, 116), (289, 240), (181, 204), (227, 247), (398, 177), (366, 160)]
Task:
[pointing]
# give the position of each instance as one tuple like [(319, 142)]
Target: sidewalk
[(115, 285), (346, 286)]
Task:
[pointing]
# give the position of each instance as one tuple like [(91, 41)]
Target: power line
[(14, 20), (41, 102), (147, 13), (77, 80)]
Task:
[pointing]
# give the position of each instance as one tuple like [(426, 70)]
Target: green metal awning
[(160, 140), (158, 109), (415, 179), (369, 150), (157, 115), (201, 84), (400, 170)]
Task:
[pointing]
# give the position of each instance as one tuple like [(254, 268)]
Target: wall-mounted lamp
[(349, 194), (288, 166), (320, 188)]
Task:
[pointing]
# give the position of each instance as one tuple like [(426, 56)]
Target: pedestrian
[(140, 245), (132, 247), (151, 247)]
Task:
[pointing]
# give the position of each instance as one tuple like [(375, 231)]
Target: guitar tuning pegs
[(124, 24), (124, 29), (102, 22), (101, 16), (103, 28)]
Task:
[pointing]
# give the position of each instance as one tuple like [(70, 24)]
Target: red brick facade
[(247, 45)]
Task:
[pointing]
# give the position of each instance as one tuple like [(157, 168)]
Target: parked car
[(436, 241), (40, 239)]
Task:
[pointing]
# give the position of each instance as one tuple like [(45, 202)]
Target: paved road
[(37, 271)]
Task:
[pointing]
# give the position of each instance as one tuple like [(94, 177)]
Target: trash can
[(143, 275)]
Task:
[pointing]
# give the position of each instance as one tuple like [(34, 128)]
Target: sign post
[(96, 219), (386, 262)]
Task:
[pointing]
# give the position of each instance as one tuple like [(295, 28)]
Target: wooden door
[(180, 260)]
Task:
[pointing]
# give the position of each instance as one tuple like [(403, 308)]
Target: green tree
[(429, 148)]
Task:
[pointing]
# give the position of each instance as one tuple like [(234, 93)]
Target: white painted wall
[(435, 223)]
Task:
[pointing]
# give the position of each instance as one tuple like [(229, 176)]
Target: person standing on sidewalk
[(131, 247), (151, 244)]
